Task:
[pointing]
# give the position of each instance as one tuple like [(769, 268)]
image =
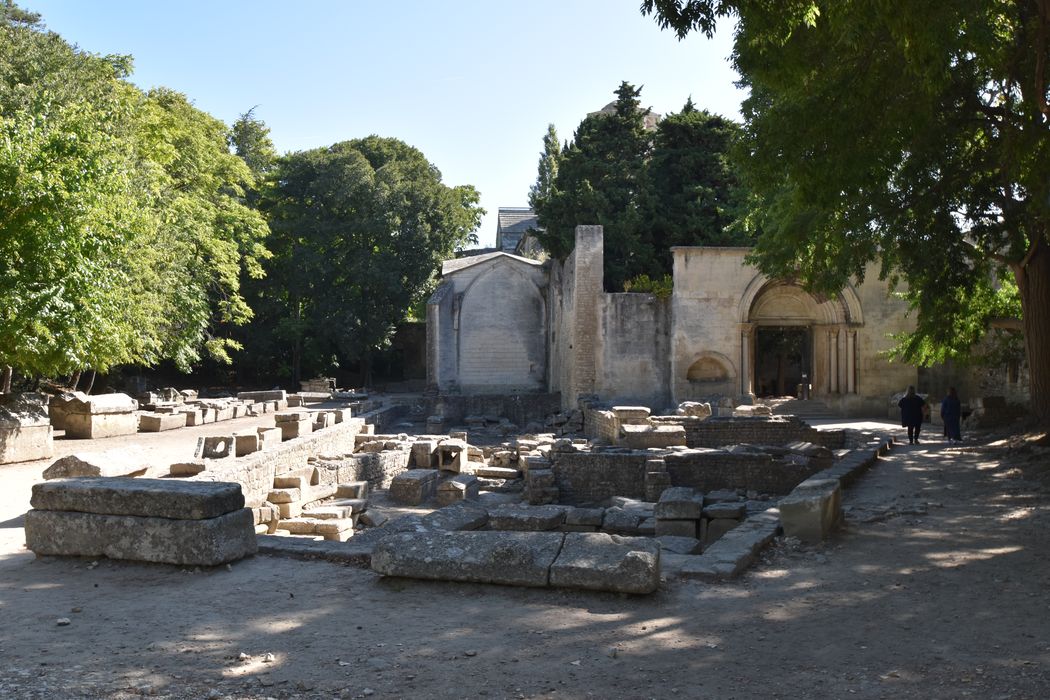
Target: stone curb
[(308, 550), (735, 551)]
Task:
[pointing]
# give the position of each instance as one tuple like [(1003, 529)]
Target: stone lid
[(20, 410), (102, 403)]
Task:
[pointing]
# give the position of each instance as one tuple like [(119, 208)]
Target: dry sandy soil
[(937, 587)]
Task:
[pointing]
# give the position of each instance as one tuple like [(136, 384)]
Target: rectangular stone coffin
[(414, 486), (462, 487), (156, 422), (206, 542), (160, 498), (272, 395), (104, 415), (812, 510), (515, 559), (25, 431)]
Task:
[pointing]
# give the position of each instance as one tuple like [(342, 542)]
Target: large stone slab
[(161, 498), (206, 542), (509, 558), (602, 562), (679, 503), (272, 395), (108, 463), (464, 515), (414, 486), (158, 422), (526, 518), (812, 511)]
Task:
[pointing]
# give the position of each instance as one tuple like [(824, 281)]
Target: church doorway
[(782, 359)]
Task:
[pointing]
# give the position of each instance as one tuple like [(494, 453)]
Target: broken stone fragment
[(108, 463)]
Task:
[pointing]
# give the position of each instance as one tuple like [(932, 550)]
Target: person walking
[(951, 414), (912, 408)]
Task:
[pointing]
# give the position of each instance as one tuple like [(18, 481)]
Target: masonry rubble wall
[(711, 470), (633, 348), (779, 430), (255, 472), (520, 409)]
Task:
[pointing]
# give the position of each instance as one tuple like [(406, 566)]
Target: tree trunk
[(297, 348), (5, 380), (74, 380), (1034, 282), (91, 383)]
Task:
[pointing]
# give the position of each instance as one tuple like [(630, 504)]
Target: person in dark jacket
[(951, 413), (912, 406)]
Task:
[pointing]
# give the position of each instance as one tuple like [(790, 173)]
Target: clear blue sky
[(472, 83)]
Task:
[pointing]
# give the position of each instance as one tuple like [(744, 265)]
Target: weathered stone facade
[(500, 324)]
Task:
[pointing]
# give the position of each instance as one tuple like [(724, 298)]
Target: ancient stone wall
[(255, 472), (634, 347), (592, 477), (716, 469), (719, 432), (520, 409)]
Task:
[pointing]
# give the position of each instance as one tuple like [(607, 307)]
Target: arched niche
[(709, 373)]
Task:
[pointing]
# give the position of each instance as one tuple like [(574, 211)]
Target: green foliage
[(359, 231), (650, 190), (121, 236), (912, 134), (662, 287)]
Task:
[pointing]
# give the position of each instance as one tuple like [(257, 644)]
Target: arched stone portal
[(789, 336)]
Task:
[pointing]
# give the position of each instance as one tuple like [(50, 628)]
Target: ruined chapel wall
[(634, 347), (708, 286)]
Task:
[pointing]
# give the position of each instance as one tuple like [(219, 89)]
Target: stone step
[(496, 473)]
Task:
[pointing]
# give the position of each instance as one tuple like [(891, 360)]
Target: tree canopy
[(649, 188), (913, 134), (122, 235), (359, 232)]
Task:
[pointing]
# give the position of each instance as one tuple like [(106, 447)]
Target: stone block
[(290, 510), (732, 511), (677, 528), (245, 443), (496, 473), (526, 518), (185, 542), (293, 416), (647, 528), (414, 486), (160, 498), (101, 425), (632, 415), (424, 454), (619, 521), (285, 495), (602, 562), (291, 429), (679, 503), (722, 496), (464, 515), (191, 468), (194, 416), (585, 516), (680, 545), (270, 395), (216, 447), (517, 559), (374, 518), (643, 437), (452, 455), (812, 511), (462, 487), (694, 409), (269, 438), (109, 463), (157, 422), (25, 429), (713, 530), (352, 489)]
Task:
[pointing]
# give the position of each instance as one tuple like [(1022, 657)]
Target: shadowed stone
[(110, 463), (526, 518), (206, 542), (516, 559), (601, 562)]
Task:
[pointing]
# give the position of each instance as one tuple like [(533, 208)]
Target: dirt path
[(937, 588)]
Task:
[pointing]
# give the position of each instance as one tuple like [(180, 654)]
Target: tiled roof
[(516, 220)]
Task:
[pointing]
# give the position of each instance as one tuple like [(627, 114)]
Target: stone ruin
[(599, 507), (25, 431)]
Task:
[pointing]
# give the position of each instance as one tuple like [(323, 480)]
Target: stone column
[(746, 334), (851, 361), (833, 362)]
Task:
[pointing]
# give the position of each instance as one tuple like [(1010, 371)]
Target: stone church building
[(504, 325)]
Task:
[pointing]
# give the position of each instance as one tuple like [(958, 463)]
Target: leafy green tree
[(915, 134), (599, 175), (547, 172), (359, 231), (693, 195), (122, 235), (249, 139)]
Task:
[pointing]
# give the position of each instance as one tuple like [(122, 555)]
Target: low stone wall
[(601, 425), (377, 468), (710, 470), (255, 472), (520, 409), (778, 430), (592, 477)]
